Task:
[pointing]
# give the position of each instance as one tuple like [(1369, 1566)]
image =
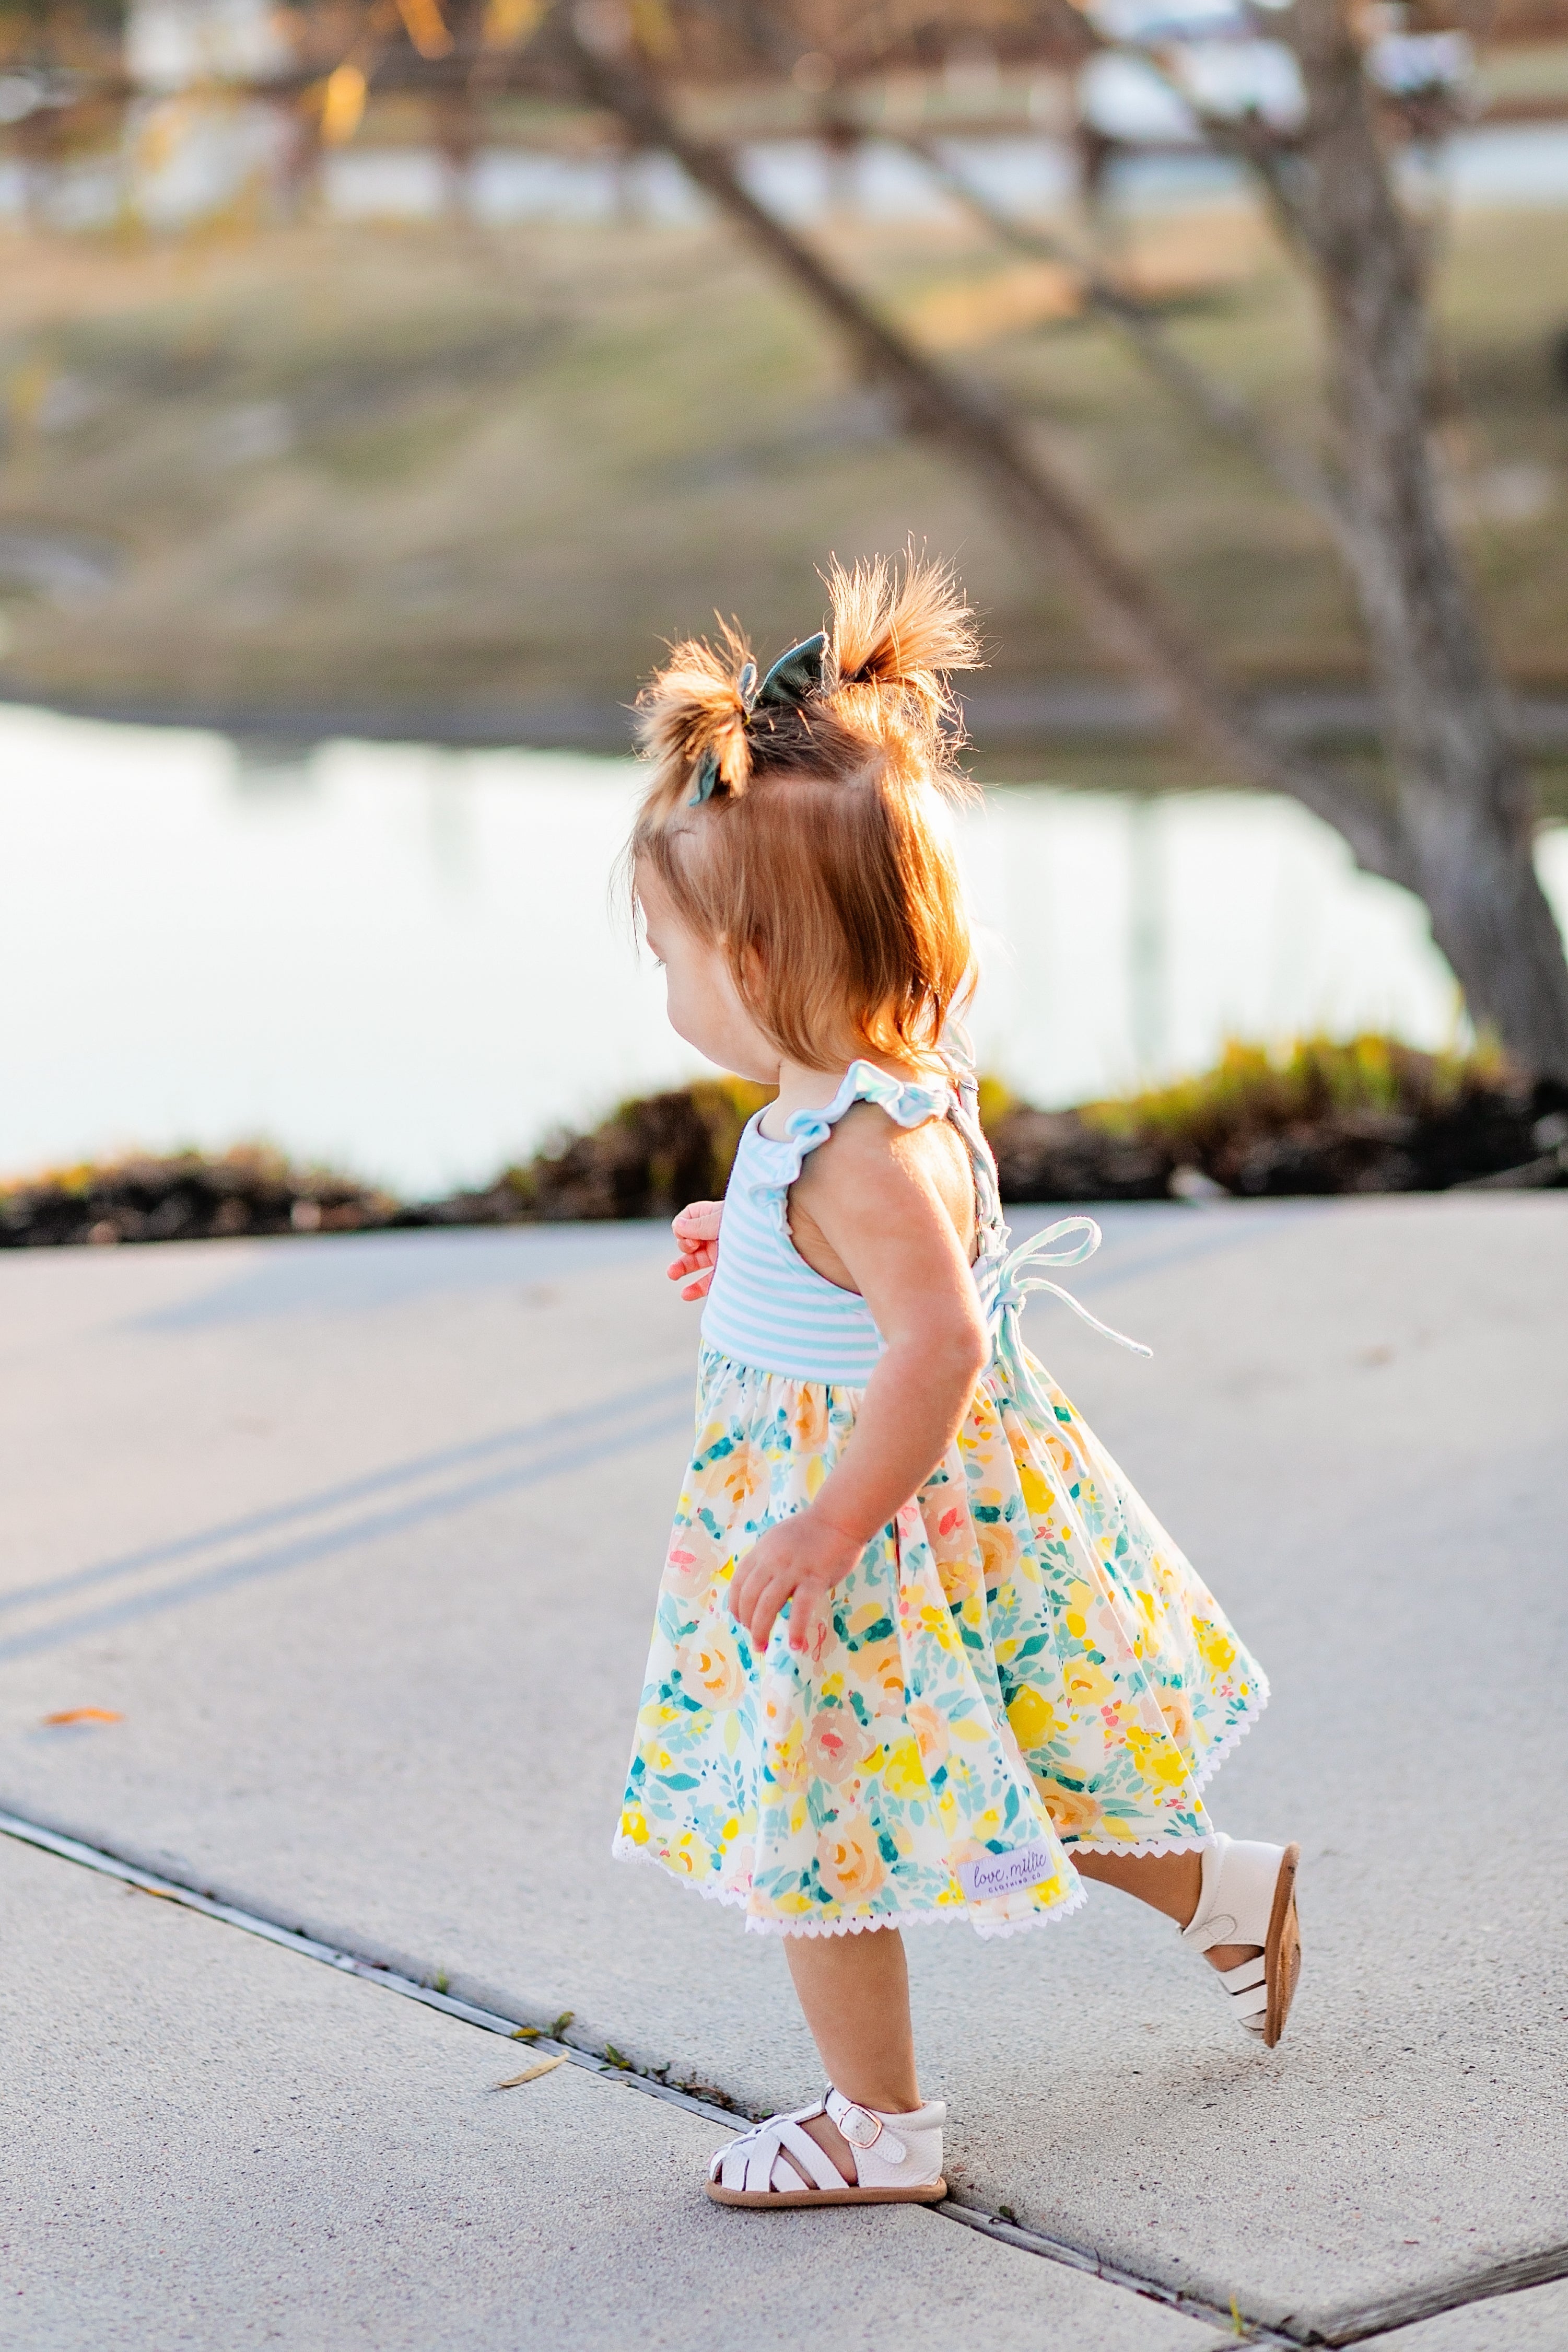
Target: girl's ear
[(750, 971)]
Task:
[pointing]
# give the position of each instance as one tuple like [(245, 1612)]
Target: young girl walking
[(921, 1652)]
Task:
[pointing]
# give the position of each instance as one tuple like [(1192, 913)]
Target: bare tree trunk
[(455, 123), (1033, 497), (1465, 804)]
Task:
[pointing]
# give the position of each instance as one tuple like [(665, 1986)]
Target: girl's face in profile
[(700, 992)]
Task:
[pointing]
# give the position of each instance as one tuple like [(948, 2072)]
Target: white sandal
[(898, 2158), (1250, 1897)]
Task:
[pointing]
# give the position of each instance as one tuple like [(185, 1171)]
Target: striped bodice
[(766, 1309)]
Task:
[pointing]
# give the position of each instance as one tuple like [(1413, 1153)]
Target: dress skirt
[(1020, 1664)]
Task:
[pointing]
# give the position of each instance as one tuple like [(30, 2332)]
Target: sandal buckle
[(859, 2127)]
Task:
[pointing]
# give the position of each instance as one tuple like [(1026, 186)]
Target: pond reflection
[(408, 960)]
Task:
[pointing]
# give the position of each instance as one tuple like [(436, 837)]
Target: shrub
[(1368, 1115)]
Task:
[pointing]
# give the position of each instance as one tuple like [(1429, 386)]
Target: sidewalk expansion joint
[(1235, 2323), (1502, 2279)]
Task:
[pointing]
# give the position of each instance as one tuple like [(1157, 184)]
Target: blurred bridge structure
[(169, 109)]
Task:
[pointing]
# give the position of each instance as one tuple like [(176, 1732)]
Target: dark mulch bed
[(186, 1198)]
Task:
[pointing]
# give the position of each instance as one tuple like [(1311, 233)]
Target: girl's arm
[(697, 1238), (872, 1195)]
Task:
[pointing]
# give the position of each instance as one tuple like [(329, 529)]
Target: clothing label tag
[(1003, 1874)]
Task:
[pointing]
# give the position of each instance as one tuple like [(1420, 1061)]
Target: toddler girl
[(921, 1652)]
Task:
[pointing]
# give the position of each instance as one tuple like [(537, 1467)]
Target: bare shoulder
[(866, 1138), (870, 1159)]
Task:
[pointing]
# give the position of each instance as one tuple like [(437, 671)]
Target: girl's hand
[(798, 1561), (697, 1238)]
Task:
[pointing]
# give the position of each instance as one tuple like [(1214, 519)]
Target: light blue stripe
[(766, 1309)]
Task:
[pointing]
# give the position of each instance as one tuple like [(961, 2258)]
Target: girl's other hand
[(800, 1560), (697, 1238)]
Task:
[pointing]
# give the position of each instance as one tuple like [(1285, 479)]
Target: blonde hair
[(808, 837)]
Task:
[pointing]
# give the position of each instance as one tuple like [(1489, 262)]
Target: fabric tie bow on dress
[(1015, 1282)]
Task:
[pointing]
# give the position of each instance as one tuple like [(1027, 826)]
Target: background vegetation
[(1367, 1116), (469, 481)]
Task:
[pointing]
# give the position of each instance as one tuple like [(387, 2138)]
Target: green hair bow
[(794, 676)]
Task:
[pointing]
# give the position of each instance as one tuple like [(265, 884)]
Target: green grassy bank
[(425, 472)]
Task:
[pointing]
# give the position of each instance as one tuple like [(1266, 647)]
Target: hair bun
[(875, 690), (695, 713), (903, 634)]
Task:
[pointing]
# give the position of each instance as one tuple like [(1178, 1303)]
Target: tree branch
[(1223, 411), (1031, 495)]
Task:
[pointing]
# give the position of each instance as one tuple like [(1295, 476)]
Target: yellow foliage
[(342, 105), (507, 22), (1026, 295), (1262, 1087), (426, 27), (652, 29)]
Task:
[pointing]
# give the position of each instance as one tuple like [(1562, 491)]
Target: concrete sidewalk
[(211, 2142), (360, 1539)]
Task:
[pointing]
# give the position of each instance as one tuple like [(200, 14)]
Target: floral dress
[(1021, 1661)]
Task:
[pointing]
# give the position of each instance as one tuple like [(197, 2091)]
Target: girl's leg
[(1171, 1883), (855, 1991)]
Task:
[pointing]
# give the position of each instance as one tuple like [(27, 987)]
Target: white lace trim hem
[(626, 1850)]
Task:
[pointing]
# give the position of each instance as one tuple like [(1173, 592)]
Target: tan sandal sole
[(1282, 1952), (758, 2197)]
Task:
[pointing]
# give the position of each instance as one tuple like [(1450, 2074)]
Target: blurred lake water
[(409, 961), (215, 152)]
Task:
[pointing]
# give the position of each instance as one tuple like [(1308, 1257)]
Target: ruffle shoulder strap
[(908, 1101)]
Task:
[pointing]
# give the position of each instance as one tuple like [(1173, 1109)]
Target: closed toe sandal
[(1250, 1897), (898, 2158)]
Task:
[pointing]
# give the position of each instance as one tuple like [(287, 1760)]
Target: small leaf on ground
[(530, 2073), (84, 1715)]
